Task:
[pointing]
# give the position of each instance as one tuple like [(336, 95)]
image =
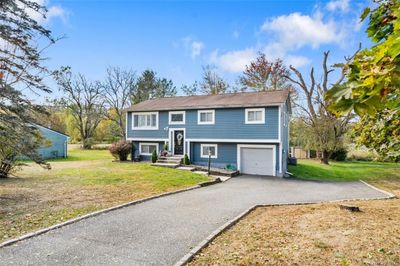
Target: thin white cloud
[(236, 34), (192, 46), (53, 11), (297, 61), (196, 49), (233, 61), (340, 5), (287, 34), (295, 30), (56, 12)]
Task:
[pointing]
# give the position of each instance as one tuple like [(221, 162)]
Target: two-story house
[(246, 130)]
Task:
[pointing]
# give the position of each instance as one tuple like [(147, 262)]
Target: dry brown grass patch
[(320, 234)]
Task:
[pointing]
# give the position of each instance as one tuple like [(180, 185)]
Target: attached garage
[(256, 159)]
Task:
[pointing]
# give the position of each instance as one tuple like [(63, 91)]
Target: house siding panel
[(229, 124), (56, 146), (226, 155), (148, 157)]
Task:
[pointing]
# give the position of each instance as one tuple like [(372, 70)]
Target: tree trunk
[(5, 168), (325, 157), (3, 174), (86, 144)]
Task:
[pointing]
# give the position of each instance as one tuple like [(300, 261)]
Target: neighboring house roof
[(55, 131), (228, 100)]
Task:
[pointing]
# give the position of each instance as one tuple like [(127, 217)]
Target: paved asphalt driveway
[(163, 230)]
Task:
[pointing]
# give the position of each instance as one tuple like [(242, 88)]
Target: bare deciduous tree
[(325, 130), (117, 90), (84, 99)]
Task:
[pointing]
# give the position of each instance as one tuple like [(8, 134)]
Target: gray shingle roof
[(228, 100)]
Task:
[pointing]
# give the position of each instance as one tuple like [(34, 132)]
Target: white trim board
[(279, 123), (273, 147), (147, 139), (188, 149), (126, 126), (236, 140)]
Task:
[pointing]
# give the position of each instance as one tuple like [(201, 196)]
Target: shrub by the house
[(154, 156), (120, 150), (186, 160)]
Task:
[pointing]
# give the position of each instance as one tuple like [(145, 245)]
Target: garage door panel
[(257, 161)]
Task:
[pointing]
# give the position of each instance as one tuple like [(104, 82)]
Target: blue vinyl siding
[(148, 157), (227, 154), (229, 124), (56, 144)]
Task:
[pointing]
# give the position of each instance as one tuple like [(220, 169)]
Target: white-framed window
[(205, 149), (206, 117), (145, 121), (147, 148), (255, 116), (177, 118)]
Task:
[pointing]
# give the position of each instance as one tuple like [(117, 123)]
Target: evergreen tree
[(149, 86), (21, 69)]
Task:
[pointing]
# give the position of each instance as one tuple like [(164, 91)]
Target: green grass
[(77, 154), (86, 181), (345, 171)]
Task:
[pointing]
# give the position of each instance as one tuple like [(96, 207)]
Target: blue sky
[(176, 38)]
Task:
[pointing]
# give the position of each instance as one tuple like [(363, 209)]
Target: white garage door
[(257, 161)]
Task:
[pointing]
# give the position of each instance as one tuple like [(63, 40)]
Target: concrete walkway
[(163, 230)]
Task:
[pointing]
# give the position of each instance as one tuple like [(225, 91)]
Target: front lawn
[(383, 175), (318, 234), (345, 171), (84, 182)]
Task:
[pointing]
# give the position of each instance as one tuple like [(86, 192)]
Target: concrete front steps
[(169, 161)]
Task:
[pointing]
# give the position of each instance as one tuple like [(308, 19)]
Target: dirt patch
[(321, 234)]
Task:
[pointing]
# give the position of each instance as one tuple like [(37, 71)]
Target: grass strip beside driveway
[(345, 171), (85, 182)]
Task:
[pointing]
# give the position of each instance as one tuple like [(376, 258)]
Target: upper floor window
[(255, 116), (145, 121), (205, 117), (177, 118)]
